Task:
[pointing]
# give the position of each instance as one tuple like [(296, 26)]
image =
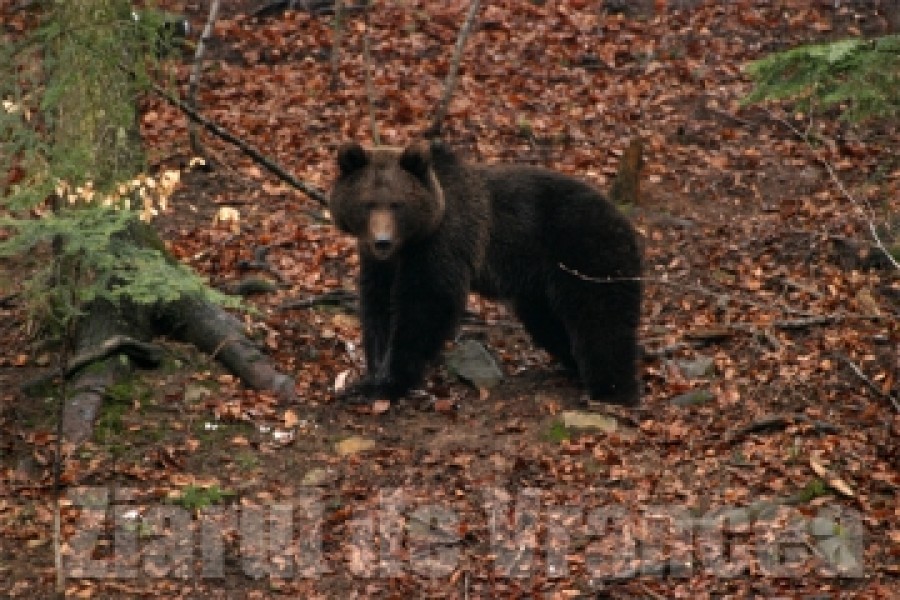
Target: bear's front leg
[(425, 310), (429, 298), (376, 279)]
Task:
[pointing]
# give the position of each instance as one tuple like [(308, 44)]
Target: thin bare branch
[(313, 192), (863, 207), (450, 83), (197, 67), (336, 45), (869, 383), (808, 319), (370, 87)]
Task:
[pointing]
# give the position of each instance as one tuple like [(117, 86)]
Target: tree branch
[(195, 73), (450, 82), (336, 44), (869, 383), (864, 207), (370, 87), (313, 192)]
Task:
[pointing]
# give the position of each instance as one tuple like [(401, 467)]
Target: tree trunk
[(189, 319), (92, 128)]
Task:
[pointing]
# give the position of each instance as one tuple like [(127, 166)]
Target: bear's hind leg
[(427, 302), (602, 325), (546, 329)]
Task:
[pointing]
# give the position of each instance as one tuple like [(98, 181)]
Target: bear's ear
[(351, 157), (416, 159)]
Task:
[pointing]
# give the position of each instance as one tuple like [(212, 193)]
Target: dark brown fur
[(513, 233)]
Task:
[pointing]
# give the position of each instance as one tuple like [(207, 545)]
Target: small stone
[(702, 366), (575, 419), (693, 398), (471, 361)]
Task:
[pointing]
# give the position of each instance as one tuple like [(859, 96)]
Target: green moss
[(814, 489), (194, 498), (557, 432)]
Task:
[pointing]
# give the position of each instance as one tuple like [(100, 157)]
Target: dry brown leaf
[(340, 382), (380, 406), (444, 405), (353, 445), (833, 481)]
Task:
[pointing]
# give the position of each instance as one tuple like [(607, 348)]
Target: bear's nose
[(383, 244)]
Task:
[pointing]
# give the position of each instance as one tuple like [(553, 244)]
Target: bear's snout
[(382, 245), (382, 233)]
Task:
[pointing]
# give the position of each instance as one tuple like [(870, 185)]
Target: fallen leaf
[(833, 481), (353, 445), (380, 406), (444, 405), (340, 382), (317, 477)]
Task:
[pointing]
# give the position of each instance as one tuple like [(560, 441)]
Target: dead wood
[(775, 423), (626, 189), (440, 114), (142, 354), (109, 331), (337, 36), (869, 383), (346, 299), (269, 163), (103, 322), (197, 67), (313, 7), (221, 335)]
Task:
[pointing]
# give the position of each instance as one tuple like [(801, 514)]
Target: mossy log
[(189, 319)]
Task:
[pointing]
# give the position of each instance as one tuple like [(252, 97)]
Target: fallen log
[(109, 331)]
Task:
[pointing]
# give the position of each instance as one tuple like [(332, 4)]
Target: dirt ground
[(770, 331)]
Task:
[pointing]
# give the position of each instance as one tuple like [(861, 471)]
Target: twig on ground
[(194, 81), (772, 423), (666, 350), (794, 324), (650, 592), (344, 298), (313, 192), (869, 383), (728, 115), (863, 207), (450, 83)]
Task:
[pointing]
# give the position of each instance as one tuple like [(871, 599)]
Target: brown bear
[(431, 228)]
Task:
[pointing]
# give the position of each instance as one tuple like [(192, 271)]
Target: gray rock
[(471, 361), (693, 398), (702, 366)]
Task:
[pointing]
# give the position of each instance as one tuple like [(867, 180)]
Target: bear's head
[(386, 197)]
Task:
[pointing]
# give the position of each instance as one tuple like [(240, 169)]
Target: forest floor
[(762, 462)]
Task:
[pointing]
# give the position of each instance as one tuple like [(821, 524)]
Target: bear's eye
[(394, 205), (369, 205)]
